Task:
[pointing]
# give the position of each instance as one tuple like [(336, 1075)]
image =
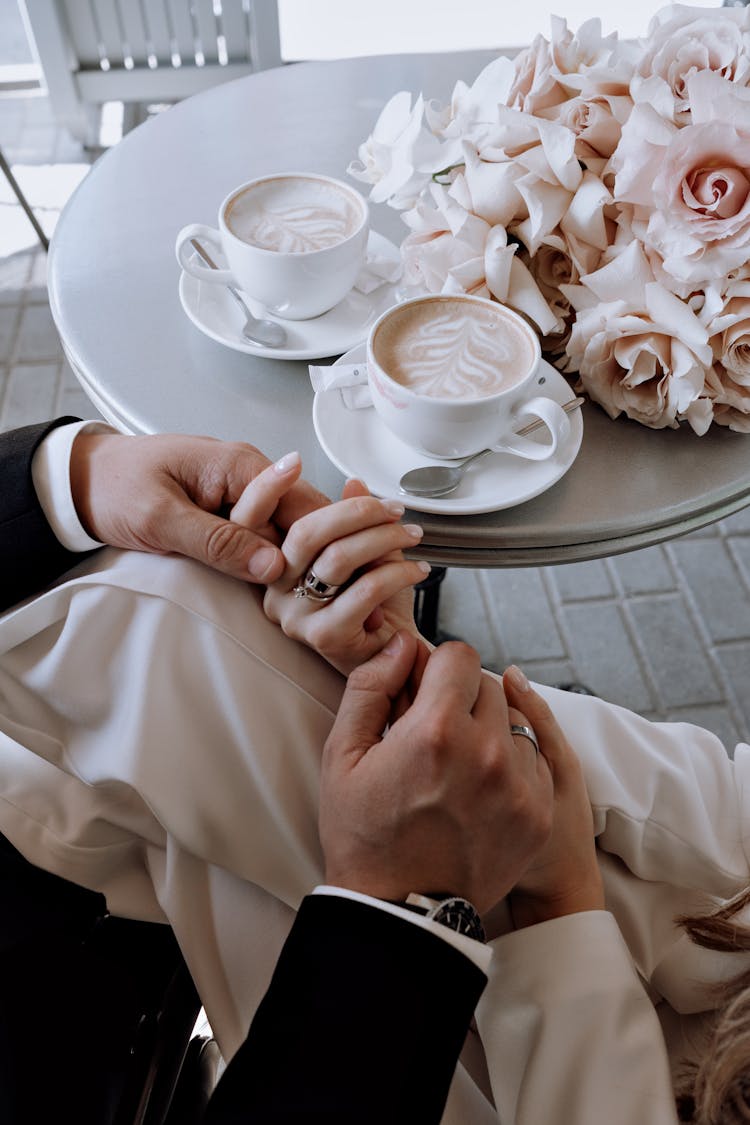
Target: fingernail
[(394, 507), (517, 678), (261, 562), (394, 645), (424, 567), (286, 463), (413, 530)]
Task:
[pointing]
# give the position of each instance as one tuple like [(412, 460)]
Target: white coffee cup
[(294, 241), (450, 375)]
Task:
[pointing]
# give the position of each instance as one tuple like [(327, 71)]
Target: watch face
[(460, 915)]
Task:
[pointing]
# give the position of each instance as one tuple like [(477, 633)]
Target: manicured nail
[(517, 678), (394, 507), (413, 530), (286, 463), (424, 567), (394, 645), (261, 562)]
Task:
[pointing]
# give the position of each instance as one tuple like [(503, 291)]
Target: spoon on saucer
[(266, 333), (440, 480)]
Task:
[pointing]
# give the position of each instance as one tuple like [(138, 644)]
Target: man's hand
[(169, 494), (447, 800)]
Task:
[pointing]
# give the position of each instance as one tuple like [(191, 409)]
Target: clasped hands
[(423, 786)]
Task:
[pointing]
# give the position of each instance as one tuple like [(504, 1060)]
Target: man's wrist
[(476, 951), (51, 475)]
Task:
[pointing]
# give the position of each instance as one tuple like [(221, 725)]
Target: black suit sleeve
[(30, 555), (363, 1022)]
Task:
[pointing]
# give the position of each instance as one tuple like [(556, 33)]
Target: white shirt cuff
[(476, 951), (50, 472)]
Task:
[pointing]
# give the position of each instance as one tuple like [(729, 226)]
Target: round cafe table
[(113, 282)]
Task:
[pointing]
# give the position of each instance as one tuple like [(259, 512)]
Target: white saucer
[(359, 444), (214, 311)]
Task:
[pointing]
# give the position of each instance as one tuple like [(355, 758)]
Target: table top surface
[(113, 281)]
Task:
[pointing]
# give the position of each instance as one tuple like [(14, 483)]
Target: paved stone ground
[(665, 631)]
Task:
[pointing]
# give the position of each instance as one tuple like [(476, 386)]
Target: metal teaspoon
[(266, 333), (440, 480)]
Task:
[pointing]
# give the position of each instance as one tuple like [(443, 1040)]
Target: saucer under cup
[(360, 445)]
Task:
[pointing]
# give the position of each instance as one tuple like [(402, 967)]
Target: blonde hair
[(718, 1087)]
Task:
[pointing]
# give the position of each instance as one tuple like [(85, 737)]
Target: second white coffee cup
[(294, 241), (450, 375)]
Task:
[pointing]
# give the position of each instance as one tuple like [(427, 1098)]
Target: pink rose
[(682, 41), (639, 350), (730, 399), (596, 121), (729, 334), (690, 187)]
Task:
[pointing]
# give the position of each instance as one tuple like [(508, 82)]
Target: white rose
[(399, 156)]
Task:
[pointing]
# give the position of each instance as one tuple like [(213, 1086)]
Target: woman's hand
[(357, 544), (564, 877)]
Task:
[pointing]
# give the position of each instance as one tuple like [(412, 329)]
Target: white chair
[(143, 52)]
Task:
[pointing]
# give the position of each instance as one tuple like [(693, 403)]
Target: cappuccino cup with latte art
[(294, 241), (450, 375)]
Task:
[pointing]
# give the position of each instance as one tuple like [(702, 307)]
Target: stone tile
[(735, 663), (551, 672), (14, 273), (75, 401), (579, 581), (522, 616), (722, 598), (717, 719), (644, 572), (674, 651), (37, 337), (463, 613), (603, 654), (739, 547), (9, 318), (30, 394)]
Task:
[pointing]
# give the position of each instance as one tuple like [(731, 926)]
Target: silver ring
[(316, 589), (525, 732)]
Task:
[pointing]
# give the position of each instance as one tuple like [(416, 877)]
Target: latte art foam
[(452, 349), (293, 215)]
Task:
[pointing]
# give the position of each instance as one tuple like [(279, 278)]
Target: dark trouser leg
[(74, 985)]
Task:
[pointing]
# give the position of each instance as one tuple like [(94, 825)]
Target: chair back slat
[(84, 35), (183, 31), (235, 28), (157, 31), (134, 30), (208, 30), (110, 33)]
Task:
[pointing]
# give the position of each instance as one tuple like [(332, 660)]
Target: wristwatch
[(449, 910)]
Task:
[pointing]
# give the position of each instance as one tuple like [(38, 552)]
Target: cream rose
[(638, 349), (729, 334), (684, 40)]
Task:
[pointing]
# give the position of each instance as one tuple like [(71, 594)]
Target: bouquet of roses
[(602, 189)]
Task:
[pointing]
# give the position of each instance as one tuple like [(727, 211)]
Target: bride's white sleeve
[(568, 1030), (667, 798)]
